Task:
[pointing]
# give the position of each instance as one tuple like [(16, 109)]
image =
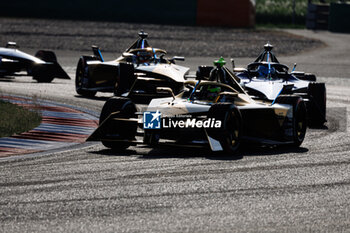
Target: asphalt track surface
[(92, 189)]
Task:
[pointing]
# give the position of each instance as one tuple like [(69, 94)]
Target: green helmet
[(214, 89), (221, 62)]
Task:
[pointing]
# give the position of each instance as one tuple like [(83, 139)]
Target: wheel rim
[(300, 123), (233, 129), (79, 76)]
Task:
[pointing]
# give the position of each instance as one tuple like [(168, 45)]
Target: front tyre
[(126, 109), (42, 76), (229, 135), (299, 121)]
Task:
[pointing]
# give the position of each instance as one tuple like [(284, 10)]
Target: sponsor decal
[(153, 120)]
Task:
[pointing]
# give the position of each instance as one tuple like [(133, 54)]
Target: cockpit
[(264, 70), (211, 92), (145, 56)]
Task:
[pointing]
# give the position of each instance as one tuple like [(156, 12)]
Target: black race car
[(211, 113), (43, 66), (136, 73)]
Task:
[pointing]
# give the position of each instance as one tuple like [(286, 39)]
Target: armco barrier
[(236, 13)]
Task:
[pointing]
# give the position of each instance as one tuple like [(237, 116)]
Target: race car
[(135, 74), (209, 114), (43, 66), (266, 77)]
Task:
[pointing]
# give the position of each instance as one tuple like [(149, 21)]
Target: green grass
[(16, 119), (280, 12)]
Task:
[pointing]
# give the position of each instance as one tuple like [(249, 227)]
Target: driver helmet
[(144, 57), (213, 92), (263, 70), (219, 74)]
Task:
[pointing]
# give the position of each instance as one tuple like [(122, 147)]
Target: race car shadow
[(26, 79), (258, 150), (157, 153), (99, 98), (168, 152), (176, 152), (7, 78), (323, 127), (245, 150), (12, 79), (110, 152)]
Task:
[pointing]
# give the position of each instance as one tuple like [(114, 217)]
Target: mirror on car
[(125, 54), (233, 63), (165, 90), (176, 58)]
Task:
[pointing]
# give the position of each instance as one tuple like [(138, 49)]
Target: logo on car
[(152, 120)]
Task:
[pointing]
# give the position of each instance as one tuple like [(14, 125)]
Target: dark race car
[(207, 113), (43, 66), (266, 77), (136, 73)]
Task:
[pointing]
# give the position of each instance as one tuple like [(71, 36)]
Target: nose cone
[(267, 88)]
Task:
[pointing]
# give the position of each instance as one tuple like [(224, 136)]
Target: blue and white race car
[(266, 78)]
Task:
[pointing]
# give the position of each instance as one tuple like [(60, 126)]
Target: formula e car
[(266, 77), (135, 74), (43, 66), (206, 113)]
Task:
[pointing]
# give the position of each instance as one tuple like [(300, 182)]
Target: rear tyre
[(81, 76), (126, 109), (229, 135), (126, 78), (317, 106), (299, 122), (43, 76)]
